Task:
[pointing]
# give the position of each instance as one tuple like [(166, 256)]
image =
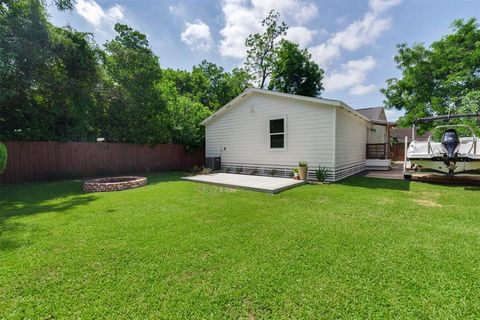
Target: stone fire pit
[(113, 184)]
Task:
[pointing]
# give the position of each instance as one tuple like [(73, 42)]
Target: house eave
[(334, 103)]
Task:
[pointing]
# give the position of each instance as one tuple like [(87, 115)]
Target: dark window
[(277, 141), (277, 133), (276, 126)]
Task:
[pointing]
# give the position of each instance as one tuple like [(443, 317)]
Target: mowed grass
[(362, 248)]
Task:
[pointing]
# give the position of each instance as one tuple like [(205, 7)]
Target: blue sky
[(354, 41)]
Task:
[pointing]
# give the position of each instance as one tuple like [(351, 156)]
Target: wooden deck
[(430, 177)]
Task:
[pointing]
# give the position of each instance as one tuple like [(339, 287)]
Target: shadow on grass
[(159, 177), (376, 183), (27, 199)]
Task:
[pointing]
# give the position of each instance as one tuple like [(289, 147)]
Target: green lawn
[(362, 248)]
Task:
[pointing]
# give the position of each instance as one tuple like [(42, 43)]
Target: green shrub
[(302, 164), (201, 170), (3, 157), (206, 170), (322, 173), (272, 172)]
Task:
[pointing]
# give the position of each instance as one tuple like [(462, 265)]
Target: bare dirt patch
[(428, 203)]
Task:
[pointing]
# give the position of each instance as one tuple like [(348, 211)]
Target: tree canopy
[(261, 48), (440, 79), (294, 71), (133, 72), (57, 84), (279, 64)]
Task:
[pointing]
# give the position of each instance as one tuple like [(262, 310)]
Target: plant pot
[(295, 175), (302, 172)]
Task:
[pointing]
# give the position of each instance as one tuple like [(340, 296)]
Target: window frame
[(269, 142)]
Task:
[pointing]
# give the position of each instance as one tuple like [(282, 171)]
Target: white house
[(266, 132)]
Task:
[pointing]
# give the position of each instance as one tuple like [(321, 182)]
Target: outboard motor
[(450, 143)]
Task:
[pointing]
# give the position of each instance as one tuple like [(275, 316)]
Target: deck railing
[(377, 151)]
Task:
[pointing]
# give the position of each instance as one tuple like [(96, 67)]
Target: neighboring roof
[(375, 113), (401, 133), (335, 103)]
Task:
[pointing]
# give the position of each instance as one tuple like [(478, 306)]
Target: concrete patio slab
[(255, 183)]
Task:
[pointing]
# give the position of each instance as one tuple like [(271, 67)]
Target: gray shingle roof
[(375, 113)]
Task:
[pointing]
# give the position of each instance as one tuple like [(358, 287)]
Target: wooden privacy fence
[(398, 152), (37, 161)]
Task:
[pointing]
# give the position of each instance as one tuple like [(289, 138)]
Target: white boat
[(451, 155)]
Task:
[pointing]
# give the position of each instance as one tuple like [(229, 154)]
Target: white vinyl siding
[(241, 134), (351, 139), (378, 134)]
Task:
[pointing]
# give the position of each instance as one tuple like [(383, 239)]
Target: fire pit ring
[(114, 183)]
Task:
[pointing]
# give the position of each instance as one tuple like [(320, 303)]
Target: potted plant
[(295, 173), (302, 170)]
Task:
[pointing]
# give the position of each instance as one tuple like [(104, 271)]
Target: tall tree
[(24, 41), (261, 48), (64, 5), (47, 76), (182, 116), (57, 84), (68, 88), (295, 72), (133, 72), (219, 87), (440, 79), (208, 83)]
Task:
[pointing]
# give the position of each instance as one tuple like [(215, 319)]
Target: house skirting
[(335, 174), (378, 164)]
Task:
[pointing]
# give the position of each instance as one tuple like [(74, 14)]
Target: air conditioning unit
[(214, 163)]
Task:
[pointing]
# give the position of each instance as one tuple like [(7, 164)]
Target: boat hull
[(460, 166)]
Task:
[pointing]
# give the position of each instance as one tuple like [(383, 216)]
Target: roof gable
[(375, 113), (334, 103)]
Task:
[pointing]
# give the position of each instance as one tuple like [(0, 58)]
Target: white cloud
[(361, 33), (301, 12), (324, 53), (197, 36), (239, 23), (301, 35), (305, 13), (357, 34), (379, 6), (363, 65), (353, 73), (243, 17), (361, 89), (178, 10), (97, 16)]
